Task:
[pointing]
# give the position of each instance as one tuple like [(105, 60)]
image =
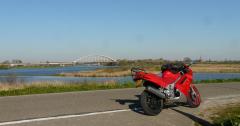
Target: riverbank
[(104, 72), (217, 81), (216, 68), (4, 67), (125, 71), (58, 87)]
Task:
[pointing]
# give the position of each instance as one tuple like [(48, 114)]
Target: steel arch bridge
[(94, 59)]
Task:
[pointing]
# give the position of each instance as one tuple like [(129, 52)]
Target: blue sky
[(64, 30)]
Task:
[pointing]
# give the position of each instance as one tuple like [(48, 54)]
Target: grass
[(216, 68), (57, 87), (4, 67), (13, 89), (229, 116), (105, 72)]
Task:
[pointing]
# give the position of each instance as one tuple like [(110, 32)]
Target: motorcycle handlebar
[(137, 69)]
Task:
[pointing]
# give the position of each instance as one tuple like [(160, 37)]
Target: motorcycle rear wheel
[(152, 105)]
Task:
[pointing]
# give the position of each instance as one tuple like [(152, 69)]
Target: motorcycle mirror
[(190, 64)]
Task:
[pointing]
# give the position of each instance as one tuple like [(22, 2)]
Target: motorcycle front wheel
[(194, 99), (152, 105)]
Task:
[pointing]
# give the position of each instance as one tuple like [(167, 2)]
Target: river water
[(45, 74)]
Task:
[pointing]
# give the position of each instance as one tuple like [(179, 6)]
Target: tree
[(187, 59), (6, 62), (17, 61)]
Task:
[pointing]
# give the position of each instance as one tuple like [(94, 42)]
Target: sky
[(64, 30)]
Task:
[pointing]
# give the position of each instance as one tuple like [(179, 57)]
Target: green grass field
[(57, 87)]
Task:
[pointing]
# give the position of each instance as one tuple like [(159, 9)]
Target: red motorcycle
[(173, 86)]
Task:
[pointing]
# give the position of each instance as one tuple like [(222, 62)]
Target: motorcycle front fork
[(192, 92)]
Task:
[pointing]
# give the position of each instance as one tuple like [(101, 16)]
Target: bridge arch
[(91, 59)]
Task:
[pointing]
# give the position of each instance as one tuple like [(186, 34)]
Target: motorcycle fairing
[(167, 78)]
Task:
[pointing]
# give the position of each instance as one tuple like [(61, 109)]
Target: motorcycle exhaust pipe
[(156, 92)]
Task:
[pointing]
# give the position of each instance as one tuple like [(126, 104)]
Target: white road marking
[(61, 117)]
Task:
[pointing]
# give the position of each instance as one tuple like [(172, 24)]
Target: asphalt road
[(103, 108)]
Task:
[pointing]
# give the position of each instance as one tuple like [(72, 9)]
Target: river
[(46, 74)]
